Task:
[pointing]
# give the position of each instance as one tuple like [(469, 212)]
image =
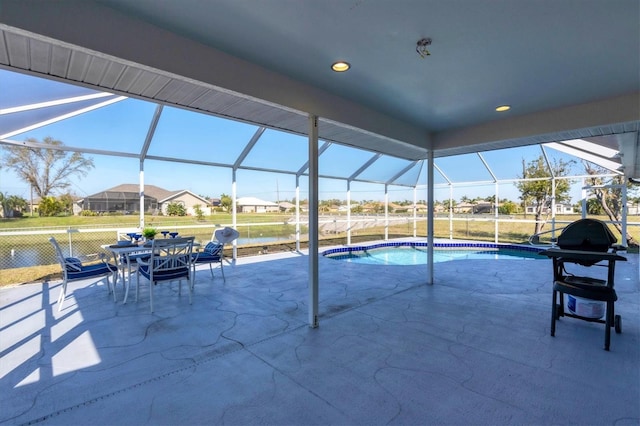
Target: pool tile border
[(413, 244)]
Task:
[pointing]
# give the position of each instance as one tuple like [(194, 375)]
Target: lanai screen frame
[(76, 105), (81, 104)]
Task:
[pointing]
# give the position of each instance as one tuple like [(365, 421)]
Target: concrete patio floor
[(474, 348)]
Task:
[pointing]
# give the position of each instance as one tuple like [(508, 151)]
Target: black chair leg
[(554, 314)]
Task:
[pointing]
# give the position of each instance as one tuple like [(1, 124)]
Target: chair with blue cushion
[(170, 260), (213, 253), (74, 270)]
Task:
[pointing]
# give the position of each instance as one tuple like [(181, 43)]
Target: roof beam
[(151, 132), (364, 166), (435, 166), (55, 102), (305, 166), (62, 117), (486, 165), (67, 148), (401, 172), (247, 149)]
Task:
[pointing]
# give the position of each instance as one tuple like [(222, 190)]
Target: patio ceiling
[(570, 70)]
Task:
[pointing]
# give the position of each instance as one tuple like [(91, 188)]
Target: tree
[(46, 170), (198, 211), (226, 202), (324, 206), (66, 203), (378, 207), (4, 206), (608, 197), (17, 204), (507, 207), (594, 207), (538, 192)]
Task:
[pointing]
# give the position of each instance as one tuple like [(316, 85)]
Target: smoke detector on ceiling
[(422, 47)]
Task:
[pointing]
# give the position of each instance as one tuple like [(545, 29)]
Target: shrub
[(176, 209), (49, 207)]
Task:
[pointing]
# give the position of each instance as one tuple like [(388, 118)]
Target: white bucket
[(585, 308)]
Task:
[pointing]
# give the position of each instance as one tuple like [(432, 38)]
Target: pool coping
[(414, 244)]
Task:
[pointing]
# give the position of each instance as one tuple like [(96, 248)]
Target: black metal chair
[(585, 242)]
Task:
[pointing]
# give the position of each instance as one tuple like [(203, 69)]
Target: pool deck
[(473, 348)]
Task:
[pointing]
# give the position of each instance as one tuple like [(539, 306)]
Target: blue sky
[(123, 127)]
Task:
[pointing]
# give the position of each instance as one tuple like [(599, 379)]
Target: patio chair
[(213, 252), (170, 260), (74, 270), (585, 242)]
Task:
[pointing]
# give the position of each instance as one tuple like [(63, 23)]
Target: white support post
[(234, 210), (553, 207), (450, 211), (313, 222), (584, 200), (430, 216), (386, 212), (348, 212), (495, 214), (298, 213), (415, 212), (143, 154), (141, 183), (623, 239)]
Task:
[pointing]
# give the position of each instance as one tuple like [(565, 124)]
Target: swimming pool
[(415, 253)]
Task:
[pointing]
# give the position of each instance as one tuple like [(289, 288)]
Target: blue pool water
[(416, 253)]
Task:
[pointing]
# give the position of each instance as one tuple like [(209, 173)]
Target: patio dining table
[(124, 255)]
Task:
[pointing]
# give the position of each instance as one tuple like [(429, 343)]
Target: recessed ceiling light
[(503, 108), (340, 66)]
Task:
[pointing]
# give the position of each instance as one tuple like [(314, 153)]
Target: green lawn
[(126, 221)]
